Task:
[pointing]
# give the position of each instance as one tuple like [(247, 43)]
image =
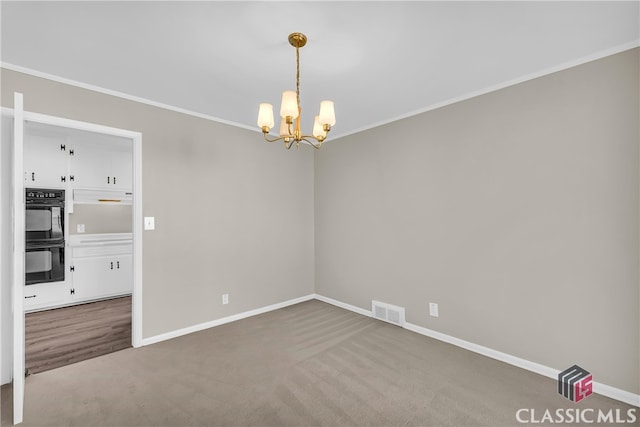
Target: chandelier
[(290, 110)]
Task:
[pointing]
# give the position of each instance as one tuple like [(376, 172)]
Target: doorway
[(13, 206)]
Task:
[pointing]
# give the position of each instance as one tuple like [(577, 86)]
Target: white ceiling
[(378, 61)]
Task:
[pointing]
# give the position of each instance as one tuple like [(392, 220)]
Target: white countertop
[(108, 239)]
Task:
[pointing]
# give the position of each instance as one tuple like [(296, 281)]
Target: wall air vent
[(387, 312)]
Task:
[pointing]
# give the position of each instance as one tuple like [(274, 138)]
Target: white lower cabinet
[(102, 276), (101, 266)]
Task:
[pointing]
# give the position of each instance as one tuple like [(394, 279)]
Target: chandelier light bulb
[(284, 128), (265, 115), (327, 114), (318, 131), (289, 106)]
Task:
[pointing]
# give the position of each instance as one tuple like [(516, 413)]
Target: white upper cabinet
[(60, 157), (104, 162), (122, 165), (89, 164), (45, 157)]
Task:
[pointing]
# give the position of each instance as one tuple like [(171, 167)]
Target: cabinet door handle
[(112, 265), (63, 147), (114, 180), (30, 296), (33, 176), (72, 178), (73, 291), (71, 152), (108, 180), (63, 178), (118, 264)]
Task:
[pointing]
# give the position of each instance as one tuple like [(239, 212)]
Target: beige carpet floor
[(311, 364)]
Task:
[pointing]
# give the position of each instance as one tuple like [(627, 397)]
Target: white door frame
[(20, 117), (17, 278)]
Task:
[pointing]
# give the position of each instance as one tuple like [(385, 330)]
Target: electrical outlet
[(433, 309), (80, 228), (225, 298)]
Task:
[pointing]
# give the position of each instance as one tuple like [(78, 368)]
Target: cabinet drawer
[(100, 251), (46, 295)]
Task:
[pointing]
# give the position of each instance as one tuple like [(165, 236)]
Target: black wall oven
[(44, 225)]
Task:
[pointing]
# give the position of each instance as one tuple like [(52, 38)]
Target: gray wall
[(233, 214), (516, 211)]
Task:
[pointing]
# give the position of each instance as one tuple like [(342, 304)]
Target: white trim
[(569, 64), (602, 389), (136, 296), (122, 95), (202, 326), (136, 139), (2, 255), (17, 279), (78, 125), (485, 351), (616, 393), (493, 88), (344, 305)]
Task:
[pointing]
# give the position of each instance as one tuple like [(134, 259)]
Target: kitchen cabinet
[(57, 157), (45, 158), (102, 162), (101, 266), (102, 276)]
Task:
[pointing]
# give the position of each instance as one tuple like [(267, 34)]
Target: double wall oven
[(45, 244)]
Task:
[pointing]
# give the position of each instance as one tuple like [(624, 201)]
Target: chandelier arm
[(311, 143), (272, 140)]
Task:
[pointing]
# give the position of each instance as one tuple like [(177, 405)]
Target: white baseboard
[(222, 321), (485, 351), (603, 389), (343, 305), (617, 394)]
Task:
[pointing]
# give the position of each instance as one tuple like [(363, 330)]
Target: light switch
[(149, 223), (80, 228)]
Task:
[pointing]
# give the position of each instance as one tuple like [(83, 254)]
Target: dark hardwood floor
[(62, 336)]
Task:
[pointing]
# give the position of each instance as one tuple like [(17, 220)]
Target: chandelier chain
[(298, 76)]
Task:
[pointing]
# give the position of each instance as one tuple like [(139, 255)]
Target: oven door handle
[(44, 203), (44, 245)]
